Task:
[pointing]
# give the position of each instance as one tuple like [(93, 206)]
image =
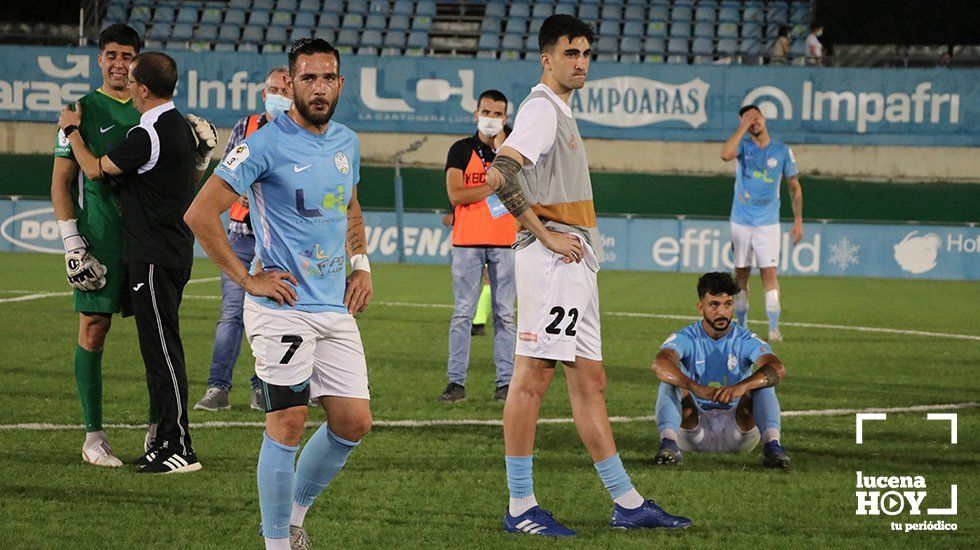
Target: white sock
[(772, 434), (630, 499), (520, 505), (298, 515), (91, 438), (772, 300), (668, 433), (276, 544)]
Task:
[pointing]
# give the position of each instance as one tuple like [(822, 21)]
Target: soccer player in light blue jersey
[(762, 163), (300, 172), (710, 399)]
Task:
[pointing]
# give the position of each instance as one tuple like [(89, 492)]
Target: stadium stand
[(648, 31)]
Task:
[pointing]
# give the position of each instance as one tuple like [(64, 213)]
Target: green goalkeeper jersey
[(105, 123)]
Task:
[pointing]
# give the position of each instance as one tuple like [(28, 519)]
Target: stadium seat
[(252, 34), (281, 19), (329, 21), (630, 45), (273, 48), (353, 6), (211, 16), (495, 9), (288, 6), (680, 28), (607, 57), (265, 5), (206, 32), (797, 49), (353, 21), (329, 35), (187, 15), (588, 12), (635, 13), (259, 18), (728, 14), (417, 52), (394, 39), (276, 35), (200, 46), (519, 9), (534, 26), (677, 59), (727, 46), (656, 28), (376, 22), (175, 45), (240, 4), (565, 9), (659, 13), (248, 47), (705, 29), (426, 7), (702, 46), (398, 23), (677, 45), (483, 54), (611, 12), (513, 42), (515, 25), (423, 23), (753, 14), (140, 13), (751, 46), (681, 12), (727, 29), (777, 14), (488, 41), (391, 52), (633, 28), (182, 31), (752, 30), (653, 45), (605, 45), (490, 24), (229, 33), (608, 28), (418, 39), (159, 31), (379, 7), (705, 12), (224, 47), (304, 32), (541, 9), (163, 15), (309, 5), (235, 17), (152, 44), (116, 12), (304, 19), (403, 7), (346, 37)]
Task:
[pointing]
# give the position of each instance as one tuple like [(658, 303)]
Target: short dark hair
[(748, 108), (560, 25), (121, 34), (816, 25), (157, 71), (717, 283), (784, 30), (310, 46), (493, 95)]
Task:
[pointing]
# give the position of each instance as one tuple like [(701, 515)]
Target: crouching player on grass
[(710, 400)]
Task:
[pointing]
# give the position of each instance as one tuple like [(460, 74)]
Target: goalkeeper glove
[(205, 138), (84, 272)]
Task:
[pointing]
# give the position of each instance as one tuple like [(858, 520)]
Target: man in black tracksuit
[(156, 168)]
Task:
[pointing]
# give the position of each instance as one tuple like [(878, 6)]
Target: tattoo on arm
[(510, 192), (355, 235), (769, 375)]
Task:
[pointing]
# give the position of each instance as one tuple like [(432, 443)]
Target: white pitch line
[(46, 427), (40, 295)]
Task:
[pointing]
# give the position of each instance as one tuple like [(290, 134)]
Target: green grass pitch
[(444, 486)]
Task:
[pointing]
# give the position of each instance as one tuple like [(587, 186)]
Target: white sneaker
[(775, 336), (100, 454)]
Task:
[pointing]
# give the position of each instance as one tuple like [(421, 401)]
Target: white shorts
[(763, 240), (291, 347), (717, 432), (557, 306)]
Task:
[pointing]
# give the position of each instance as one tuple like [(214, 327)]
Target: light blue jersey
[(716, 363), (299, 185), (758, 172)]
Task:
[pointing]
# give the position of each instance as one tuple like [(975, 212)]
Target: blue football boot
[(536, 521), (647, 516)]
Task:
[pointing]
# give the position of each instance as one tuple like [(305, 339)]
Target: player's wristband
[(69, 130), (203, 162), (70, 236), (244, 280), (360, 261)]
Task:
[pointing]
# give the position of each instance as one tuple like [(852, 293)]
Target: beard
[(720, 323), (314, 118)]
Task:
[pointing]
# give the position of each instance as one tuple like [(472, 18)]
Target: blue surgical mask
[(276, 105)]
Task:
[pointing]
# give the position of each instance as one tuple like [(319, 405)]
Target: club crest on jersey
[(236, 157), (771, 162), (343, 165), (62, 139), (732, 362)]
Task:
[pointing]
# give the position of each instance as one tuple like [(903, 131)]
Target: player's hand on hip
[(205, 138), (569, 246), (69, 117), (797, 232), (274, 285), (84, 272), (359, 291)]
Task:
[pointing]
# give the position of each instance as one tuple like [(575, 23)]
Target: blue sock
[(773, 309), (519, 478), (668, 409), (275, 478), (742, 307), (322, 458), (614, 476), (765, 410)]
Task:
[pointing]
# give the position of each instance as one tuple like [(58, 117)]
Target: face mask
[(276, 105), (489, 126), (819, 33)]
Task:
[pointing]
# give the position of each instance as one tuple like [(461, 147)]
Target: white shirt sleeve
[(534, 130)]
